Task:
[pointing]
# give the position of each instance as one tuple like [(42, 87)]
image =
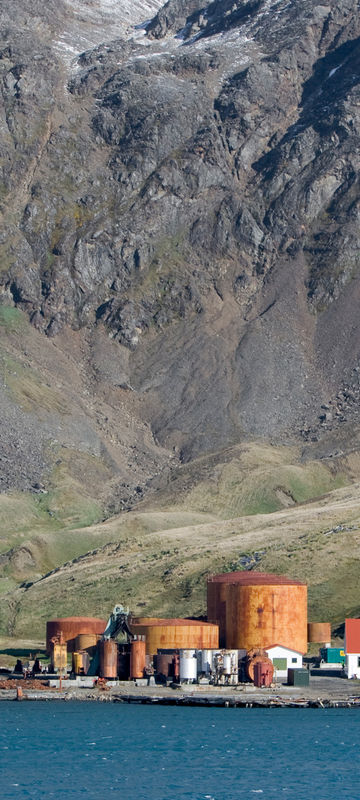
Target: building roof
[(250, 578), (352, 635), (289, 649)]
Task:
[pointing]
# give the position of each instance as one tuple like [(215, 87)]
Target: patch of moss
[(11, 319)]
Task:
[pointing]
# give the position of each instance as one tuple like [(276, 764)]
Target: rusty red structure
[(263, 673), (108, 653), (167, 664), (137, 657)]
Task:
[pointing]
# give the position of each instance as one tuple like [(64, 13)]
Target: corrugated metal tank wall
[(216, 607), (137, 658), (108, 652), (263, 609), (173, 634)]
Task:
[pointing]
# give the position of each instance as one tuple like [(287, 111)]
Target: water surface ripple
[(104, 751)]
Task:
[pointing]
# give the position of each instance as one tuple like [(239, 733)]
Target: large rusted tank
[(261, 610), (175, 634), (71, 627), (319, 632), (137, 657), (108, 652)]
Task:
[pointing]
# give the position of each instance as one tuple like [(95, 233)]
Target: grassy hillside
[(156, 561)]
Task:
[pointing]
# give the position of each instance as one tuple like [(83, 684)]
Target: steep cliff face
[(191, 190)]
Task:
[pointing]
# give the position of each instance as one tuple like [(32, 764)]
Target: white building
[(352, 647), (283, 658)]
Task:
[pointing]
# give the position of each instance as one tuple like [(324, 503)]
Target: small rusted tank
[(167, 664), (137, 657), (87, 641), (263, 673), (319, 632), (255, 656), (80, 662), (108, 652)]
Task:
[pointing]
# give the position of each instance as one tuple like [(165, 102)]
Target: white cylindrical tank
[(188, 665), (206, 661), (227, 664)]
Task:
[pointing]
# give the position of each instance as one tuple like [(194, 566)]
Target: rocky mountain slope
[(179, 244)]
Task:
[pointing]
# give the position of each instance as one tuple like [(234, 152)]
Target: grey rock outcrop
[(198, 197)]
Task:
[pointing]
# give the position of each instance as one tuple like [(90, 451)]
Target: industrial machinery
[(258, 656), (226, 667), (106, 658)]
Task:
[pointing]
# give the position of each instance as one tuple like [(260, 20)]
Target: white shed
[(283, 658)]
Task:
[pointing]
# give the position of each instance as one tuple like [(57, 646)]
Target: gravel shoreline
[(322, 693)]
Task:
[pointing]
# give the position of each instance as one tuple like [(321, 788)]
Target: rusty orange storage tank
[(264, 609), (70, 627), (108, 652), (137, 657), (175, 634), (319, 632)]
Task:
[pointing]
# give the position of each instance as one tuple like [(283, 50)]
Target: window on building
[(294, 660), (358, 661)]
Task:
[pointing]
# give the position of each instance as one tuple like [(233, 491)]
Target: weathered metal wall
[(173, 634), (216, 606)]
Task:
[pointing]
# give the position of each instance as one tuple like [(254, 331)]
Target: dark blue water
[(103, 751)]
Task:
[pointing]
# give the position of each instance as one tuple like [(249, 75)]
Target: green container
[(333, 655), (298, 677)]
